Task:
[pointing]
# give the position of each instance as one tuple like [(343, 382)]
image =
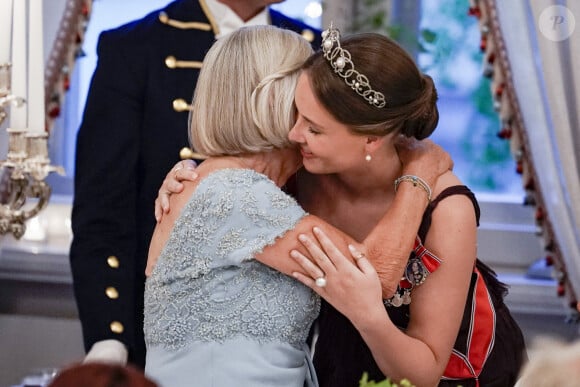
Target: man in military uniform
[(133, 131)]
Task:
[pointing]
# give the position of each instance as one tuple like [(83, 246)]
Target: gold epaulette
[(308, 34), (164, 18)]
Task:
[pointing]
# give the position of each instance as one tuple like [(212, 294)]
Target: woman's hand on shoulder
[(182, 171), (424, 159), (176, 198), (443, 181)]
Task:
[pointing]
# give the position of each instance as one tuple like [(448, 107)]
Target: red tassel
[(505, 133), (530, 185), (474, 11), (561, 290), (483, 43), (54, 112), (539, 213), (499, 89), (66, 83)]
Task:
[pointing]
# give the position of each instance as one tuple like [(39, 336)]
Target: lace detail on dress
[(206, 285)]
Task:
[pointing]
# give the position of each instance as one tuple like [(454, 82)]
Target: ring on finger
[(359, 256), (320, 282), (178, 166)]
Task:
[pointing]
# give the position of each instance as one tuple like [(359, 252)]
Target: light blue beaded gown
[(214, 316)]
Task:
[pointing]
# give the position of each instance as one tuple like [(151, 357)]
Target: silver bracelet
[(417, 181)]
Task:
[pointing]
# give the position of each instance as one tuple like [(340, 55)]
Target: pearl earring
[(368, 158)]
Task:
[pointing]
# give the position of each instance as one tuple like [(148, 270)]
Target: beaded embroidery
[(206, 286)]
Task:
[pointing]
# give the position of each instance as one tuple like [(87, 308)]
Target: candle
[(35, 68), (5, 30), (18, 115)]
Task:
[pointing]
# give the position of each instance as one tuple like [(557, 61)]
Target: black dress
[(341, 356)]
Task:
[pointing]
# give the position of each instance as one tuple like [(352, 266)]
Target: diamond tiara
[(342, 64)]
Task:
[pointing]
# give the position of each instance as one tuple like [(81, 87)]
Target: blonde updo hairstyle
[(411, 97), (244, 98)]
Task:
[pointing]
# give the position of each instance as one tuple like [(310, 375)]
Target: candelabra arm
[(12, 214), (17, 193), (27, 163), (41, 191)]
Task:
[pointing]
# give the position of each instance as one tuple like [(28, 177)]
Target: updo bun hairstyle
[(411, 96)]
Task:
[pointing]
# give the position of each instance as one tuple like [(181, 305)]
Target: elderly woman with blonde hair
[(214, 316)]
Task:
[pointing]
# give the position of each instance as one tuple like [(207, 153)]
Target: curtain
[(532, 54)]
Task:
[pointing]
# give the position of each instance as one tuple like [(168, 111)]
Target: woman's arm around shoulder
[(278, 255), (165, 225)]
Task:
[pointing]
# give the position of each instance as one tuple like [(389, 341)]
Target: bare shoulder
[(454, 208), (446, 180), (453, 231)]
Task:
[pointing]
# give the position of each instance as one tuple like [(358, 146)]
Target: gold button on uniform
[(308, 35), (179, 105), (113, 262), (117, 327), (171, 62), (185, 153), (112, 293)]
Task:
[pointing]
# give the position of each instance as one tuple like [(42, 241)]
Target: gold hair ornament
[(342, 64)]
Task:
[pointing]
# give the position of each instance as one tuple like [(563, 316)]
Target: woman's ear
[(373, 143)]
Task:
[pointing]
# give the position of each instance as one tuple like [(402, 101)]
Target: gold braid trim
[(208, 14), (173, 63), (164, 18)]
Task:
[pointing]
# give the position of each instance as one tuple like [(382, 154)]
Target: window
[(469, 124), (309, 11)]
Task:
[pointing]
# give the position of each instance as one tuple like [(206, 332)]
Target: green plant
[(364, 382)]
